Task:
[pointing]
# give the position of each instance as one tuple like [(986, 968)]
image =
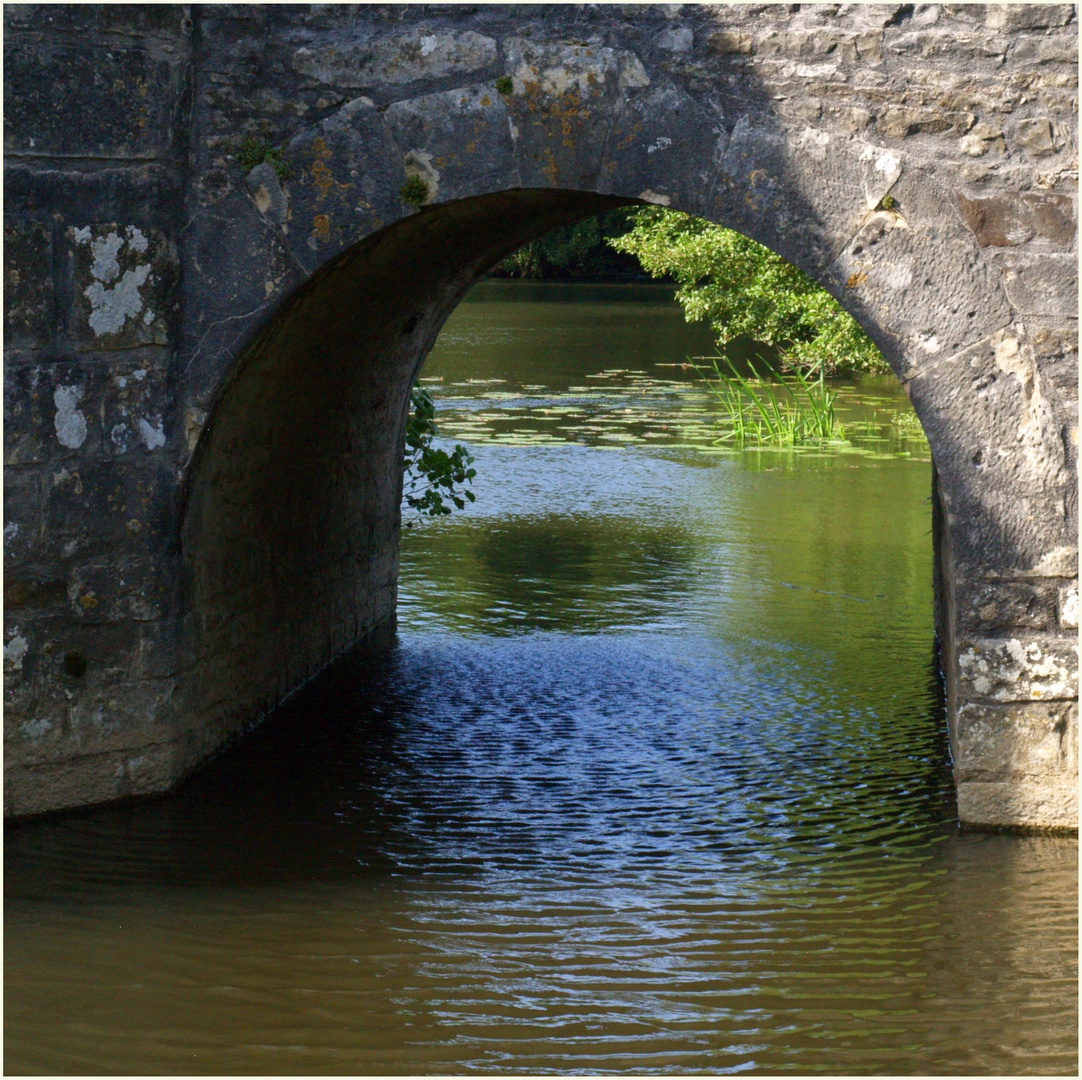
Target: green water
[(655, 779)]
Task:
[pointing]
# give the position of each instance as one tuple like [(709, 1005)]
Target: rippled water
[(654, 780)]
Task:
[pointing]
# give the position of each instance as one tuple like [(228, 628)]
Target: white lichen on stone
[(153, 435), (110, 307), (15, 652), (120, 437), (70, 422), (655, 198), (11, 531), (35, 729), (1014, 670), (136, 240), (1068, 607)]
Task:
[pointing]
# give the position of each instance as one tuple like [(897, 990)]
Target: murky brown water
[(655, 779)]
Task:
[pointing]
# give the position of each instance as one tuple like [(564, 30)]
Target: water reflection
[(655, 780)]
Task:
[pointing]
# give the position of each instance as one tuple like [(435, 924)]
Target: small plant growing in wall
[(504, 84), (888, 202), (414, 191), (253, 152), (433, 475)]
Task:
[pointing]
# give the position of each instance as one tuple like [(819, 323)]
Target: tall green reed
[(778, 409)]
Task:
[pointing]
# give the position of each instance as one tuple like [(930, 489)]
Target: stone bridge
[(216, 301)]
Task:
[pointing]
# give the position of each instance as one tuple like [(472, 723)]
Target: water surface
[(655, 779)]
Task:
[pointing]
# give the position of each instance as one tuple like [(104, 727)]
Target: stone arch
[(779, 122), (290, 526)]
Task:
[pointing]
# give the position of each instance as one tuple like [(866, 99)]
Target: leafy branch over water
[(433, 475), (744, 289)]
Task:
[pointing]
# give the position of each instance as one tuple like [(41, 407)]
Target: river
[(654, 780)]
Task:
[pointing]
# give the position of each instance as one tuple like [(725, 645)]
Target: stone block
[(29, 301), (1061, 49), (561, 103), (1039, 283), (917, 267), (1017, 669), (1000, 465), (128, 590), (89, 779), (347, 175), (982, 139), (1033, 803), (405, 58), (137, 406), (656, 149), (266, 188), (123, 278), (1011, 219), (135, 20), (34, 592), (901, 122), (459, 141), (1036, 137), (142, 194), (109, 509), (1014, 17), (996, 742), (1056, 350), (51, 412), (860, 47), (731, 43), (22, 515), (79, 101), (993, 608)]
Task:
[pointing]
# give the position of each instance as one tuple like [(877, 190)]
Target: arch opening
[(291, 506), (291, 516)]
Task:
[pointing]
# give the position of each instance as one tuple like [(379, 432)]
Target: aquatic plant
[(433, 475), (781, 409)]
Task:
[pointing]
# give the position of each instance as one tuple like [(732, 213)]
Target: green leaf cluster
[(744, 289), (433, 475), (253, 152), (414, 191)]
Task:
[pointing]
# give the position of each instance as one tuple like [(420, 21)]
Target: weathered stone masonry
[(207, 369)]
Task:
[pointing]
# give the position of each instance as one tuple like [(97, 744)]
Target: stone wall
[(208, 363)]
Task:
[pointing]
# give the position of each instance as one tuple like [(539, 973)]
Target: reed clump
[(771, 408)]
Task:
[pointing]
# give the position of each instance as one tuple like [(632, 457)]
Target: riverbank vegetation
[(748, 294), (745, 290), (433, 477), (579, 252)]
